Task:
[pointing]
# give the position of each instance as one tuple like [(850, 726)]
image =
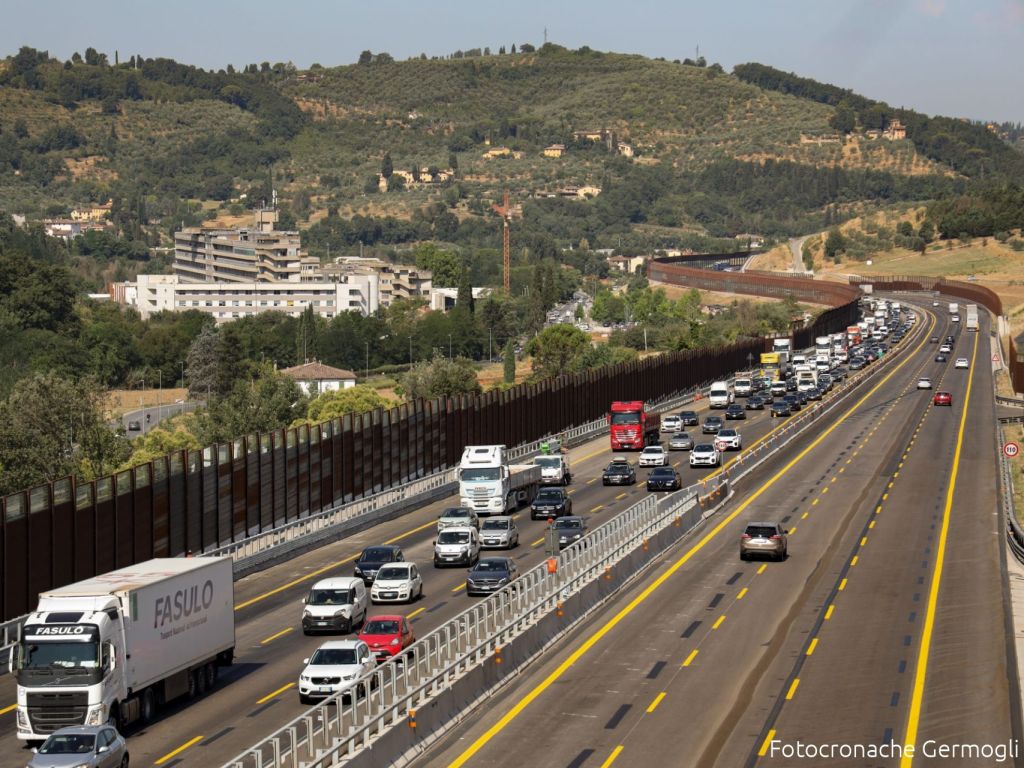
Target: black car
[(664, 479), (813, 394), (550, 502), (735, 411), (569, 530), (825, 382), (791, 384), (372, 558), (781, 408), (711, 425), (857, 363), (941, 358), (689, 418), (755, 403), (793, 401), (766, 396), (134, 426), (490, 574), (619, 472)]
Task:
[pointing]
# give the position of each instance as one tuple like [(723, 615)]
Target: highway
[(257, 695), (886, 625)]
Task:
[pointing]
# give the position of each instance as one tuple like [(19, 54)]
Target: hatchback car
[(947, 348), (619, 472), (711, 425), (961, 362), (924, 382), (387, 636), (780, 408), (941, 358), (82, 746), (653, 456), (397, 583), (664, 479), (134, 426), (569, 530), (728, 440), (335, 605), (735, 411), (705, 455), (372, 558), (671, 424), (689, 418), (550, 502), (943, 398), (337, 666), (499, 532), (458, 517), (490, 574), (755, 403), (680, 441), (933, 340), (814, 393), (764, 539)]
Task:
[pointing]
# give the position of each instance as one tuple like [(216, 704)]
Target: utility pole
[(505, 211), (367, 360)]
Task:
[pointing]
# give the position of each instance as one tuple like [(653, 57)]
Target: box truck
[(972, 317), (113, 648)]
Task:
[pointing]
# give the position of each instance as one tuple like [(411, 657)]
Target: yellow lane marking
[(824, 490), (763, 567), (620, 496), (609, 625), (307, 577), (792, 688), (871, 524), (842, 585), (538, 542), (459, 588), (417, 612), (572, 491), (182, 748), (767, 742), (828, 612), (833, 480), (815, 502), (656, 702), (611, 758), (804, 515), (718, 622), (7, 709), (269, 696), (885, 497), (741, 594), (275, 636), (812, 646), (878, 509), (853, 561), (591, 480), (921, 672), (864, 541), (792, 530), (599, 506), (691, 657)]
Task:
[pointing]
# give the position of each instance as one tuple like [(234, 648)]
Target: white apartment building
[(397, 281)]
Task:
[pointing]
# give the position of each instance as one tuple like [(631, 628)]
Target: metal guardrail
[(1002, 400), (1014, 532)]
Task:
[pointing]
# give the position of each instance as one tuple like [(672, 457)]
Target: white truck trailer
[(113, 648), (489, 485), (972, 317)]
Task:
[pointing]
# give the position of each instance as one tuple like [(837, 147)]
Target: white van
[(719, 395)]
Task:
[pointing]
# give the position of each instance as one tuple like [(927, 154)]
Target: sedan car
[(705, 455), (924, 382), (458, 517), (387, 636), (653, 456), (680, 441), (735, 411), (780, 408), (941, 358), (619, 472), (814, 393), (491, 574), (947, 348), (134, 426), (499, 532), (794, 402), (755, 403), (82, 746), (550, 502), (933, 340), (764, 539), (397, 583), (372, 558), (961, 362), (728, 440), (689, 418), (664, 479), (337, 666), (671, 424), (569, 530), (943, 398), (711, 425), (857, 363)]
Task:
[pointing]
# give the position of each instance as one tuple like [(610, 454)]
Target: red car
[(387, 636), (943, 398)]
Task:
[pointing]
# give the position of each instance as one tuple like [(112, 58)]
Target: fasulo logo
[(183, 603)]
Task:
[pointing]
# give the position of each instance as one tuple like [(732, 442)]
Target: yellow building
[(555, 150)]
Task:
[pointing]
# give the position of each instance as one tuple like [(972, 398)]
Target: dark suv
[(372, 558), (550, 502)]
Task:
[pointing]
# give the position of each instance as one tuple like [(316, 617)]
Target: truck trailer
[(114, 648), (972, 317)]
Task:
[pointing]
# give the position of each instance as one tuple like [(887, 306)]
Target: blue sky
[(948, 57)]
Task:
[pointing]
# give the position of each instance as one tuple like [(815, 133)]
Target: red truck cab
[(631, 426)]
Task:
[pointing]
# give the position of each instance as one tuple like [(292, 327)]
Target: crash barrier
[(452, 669), (1014, 532)]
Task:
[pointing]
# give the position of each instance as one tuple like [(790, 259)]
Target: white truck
[(954, 308), (743, 385), (806, 377), (554, 470), (719, 395), (489, 485), (972, 317), (823, 345), (113, 648)]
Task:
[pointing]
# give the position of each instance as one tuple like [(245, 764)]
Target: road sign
[(995, 358), (1010, 450)]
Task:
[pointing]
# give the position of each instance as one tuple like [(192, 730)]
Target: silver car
[(680, 441), (499, 532), (81, 746)]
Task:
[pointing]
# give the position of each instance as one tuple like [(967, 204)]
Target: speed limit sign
[(1010, 450)]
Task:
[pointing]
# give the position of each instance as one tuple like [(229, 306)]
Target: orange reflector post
[(412, 718), (552, 565)]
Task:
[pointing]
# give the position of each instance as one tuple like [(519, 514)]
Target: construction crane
[(505, 211)]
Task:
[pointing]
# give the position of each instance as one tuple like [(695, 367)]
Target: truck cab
[(488, 485), (554, 470), (631, 426)]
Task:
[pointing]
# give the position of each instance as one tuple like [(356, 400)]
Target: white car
[(337, 666), (954, 319), (924, 383), (653, 456), (397, 583), (961, 362), (705, 455), (946, 348), (671, 424), (728, 440)]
